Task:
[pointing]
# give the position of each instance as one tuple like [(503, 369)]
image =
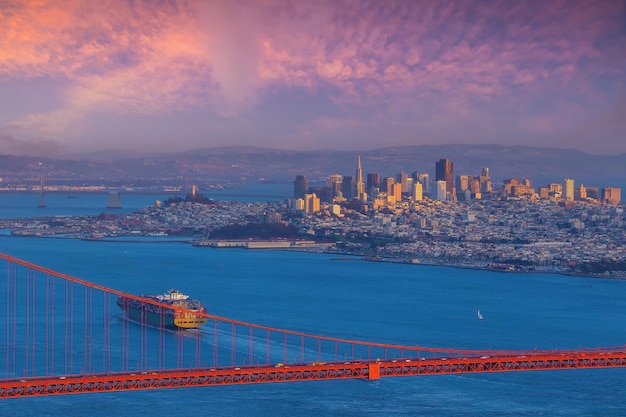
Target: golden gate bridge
[(65, 335)]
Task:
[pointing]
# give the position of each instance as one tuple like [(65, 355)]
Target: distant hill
[(249, 164)]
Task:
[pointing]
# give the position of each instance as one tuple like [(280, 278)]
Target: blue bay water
[(25, 204), (382, 302)]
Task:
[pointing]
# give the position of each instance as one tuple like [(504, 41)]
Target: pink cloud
[(384, 58)]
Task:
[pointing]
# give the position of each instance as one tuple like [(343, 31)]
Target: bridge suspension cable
[(66, 335)]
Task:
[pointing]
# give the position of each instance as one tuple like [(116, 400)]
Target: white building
[(440, 190)]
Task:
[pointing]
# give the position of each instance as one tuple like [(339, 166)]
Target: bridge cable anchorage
[(64, 336)]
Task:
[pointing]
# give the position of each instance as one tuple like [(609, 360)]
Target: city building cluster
[(470, 223), (385, 193)]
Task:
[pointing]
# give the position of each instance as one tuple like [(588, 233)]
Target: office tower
[(373, 193), (300, 186), (474, 186), (323, 193), (444, 172), (467, 195), (416, 176), (593, 192), (441, 191), (397, 191), (388, 185), (347, 187), (334, 184), (425, 180), (462, 183), (311, 203), (486, 186), (569, 189), (555, 191), (581, 194), (373, 180), (401, 179), (611, 195), (485, 181), (360, 185), (418, 191)]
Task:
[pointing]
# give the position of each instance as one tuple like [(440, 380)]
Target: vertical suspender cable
[(90, 361), (8, 319), (14, 319), (71, 327), (215, 343), (319, 349), (268, 358), (234, 348), (34, 325), (52, 344), (47, 322), (27, 320), (85, 319), (251, 347)]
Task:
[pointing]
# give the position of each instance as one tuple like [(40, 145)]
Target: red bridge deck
[(558, 360)]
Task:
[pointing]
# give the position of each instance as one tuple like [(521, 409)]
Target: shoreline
[(364, 258), (343, 256)]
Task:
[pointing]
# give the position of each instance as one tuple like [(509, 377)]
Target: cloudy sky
[(82, 75)]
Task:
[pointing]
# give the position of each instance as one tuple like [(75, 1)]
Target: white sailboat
[(480, 316)]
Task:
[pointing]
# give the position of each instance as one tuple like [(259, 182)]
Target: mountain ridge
[(235, 164)]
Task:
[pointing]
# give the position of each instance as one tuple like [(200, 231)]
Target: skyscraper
[(360, 186), (373, 180), (311, 203), (441, 190), (444, 172), (417, 192), (347, 187), (300, 186), (388, 185), (569, 189), (462, 183), (611, 195), (334, 183), (485, 181), (425, 180), (401, 178)]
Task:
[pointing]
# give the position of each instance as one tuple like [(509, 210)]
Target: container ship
[(183, 313)]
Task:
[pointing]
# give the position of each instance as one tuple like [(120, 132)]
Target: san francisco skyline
[(78, 76)]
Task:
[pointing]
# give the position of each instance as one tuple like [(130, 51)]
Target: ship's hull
[(156, 316)]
